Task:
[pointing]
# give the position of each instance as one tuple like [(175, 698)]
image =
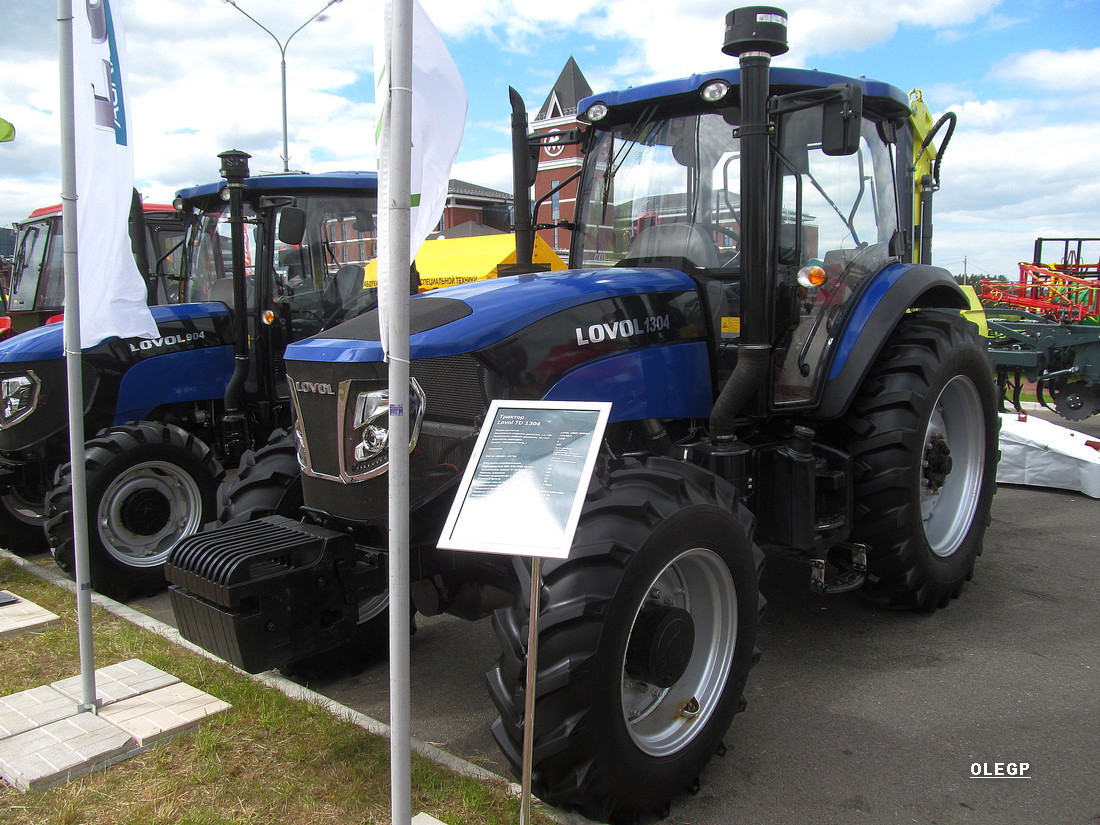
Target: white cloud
[(494, 171), (1064, 71)]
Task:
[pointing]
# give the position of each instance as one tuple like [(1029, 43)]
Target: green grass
[(271, 759)]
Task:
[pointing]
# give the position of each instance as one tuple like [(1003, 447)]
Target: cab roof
[(296, 182), (883, 98)]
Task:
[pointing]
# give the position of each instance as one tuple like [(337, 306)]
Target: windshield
[(38, 270), (665, 190), (339, 237)]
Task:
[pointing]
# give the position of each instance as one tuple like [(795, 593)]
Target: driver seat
[(673, 240)]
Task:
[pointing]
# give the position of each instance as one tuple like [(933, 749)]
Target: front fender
[(890, 294)]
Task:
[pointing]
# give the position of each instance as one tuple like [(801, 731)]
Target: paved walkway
[(45, 739)]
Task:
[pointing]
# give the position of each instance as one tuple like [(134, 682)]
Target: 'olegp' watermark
[(1000, 770)]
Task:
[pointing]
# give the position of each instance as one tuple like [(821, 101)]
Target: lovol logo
[(150, 344), (314, 386), (626, 328)]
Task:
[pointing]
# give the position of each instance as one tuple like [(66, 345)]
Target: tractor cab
[(306, 240), (305, 251), (664, 185)]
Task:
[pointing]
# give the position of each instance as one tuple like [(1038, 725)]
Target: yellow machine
[(452, 261)]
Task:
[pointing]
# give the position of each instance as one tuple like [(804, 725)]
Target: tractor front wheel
[(646, 637), (148, 486), (269, 483), (22, 519)]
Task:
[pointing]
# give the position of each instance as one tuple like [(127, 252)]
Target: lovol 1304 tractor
[(785, 377), (267, 260)]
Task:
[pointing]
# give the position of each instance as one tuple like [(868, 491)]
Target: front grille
[(456, 387)]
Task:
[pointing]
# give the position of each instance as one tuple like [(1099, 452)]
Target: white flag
[(438, 120), (112, 292)]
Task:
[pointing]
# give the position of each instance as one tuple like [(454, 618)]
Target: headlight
[(714, 91), (364, 430), (18, 397), (597, 111)]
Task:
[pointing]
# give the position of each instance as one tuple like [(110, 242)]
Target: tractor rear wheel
[(149, 485), (923, 431), (646, 637)]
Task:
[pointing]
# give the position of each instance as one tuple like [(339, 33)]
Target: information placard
[(523, 490)]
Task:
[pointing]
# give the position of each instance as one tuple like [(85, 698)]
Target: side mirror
[(841, 119), (292, 225)]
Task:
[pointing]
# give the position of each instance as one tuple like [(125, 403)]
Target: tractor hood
[(635, 337), (176, 324), (475, 316)]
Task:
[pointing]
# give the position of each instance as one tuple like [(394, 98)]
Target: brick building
[(558, 162)]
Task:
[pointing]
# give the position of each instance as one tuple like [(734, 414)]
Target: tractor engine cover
[(268, 592)]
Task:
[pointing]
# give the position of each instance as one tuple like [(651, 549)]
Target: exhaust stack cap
[(756, 29)]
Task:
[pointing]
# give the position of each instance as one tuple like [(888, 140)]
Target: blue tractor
[(786, 377), (163, 414)]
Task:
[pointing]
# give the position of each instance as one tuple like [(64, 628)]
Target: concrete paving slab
[(63, 750), (23, 616), (162, 713), (45, 740), (29, 709), (425, 819), (117, 682)]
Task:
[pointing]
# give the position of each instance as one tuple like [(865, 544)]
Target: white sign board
[(524, 487)]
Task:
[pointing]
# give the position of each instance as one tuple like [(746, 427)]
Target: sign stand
[(522, 494), (529, 695)]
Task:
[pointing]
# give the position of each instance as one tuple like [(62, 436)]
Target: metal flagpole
[(398, 170), (89, 700)]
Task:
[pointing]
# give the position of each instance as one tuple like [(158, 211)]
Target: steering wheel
[(726, 258)]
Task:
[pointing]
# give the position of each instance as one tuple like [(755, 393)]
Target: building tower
[(558, 162)]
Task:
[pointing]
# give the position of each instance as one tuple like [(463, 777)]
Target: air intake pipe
[(234, 423), (523, 178), (754, 34)]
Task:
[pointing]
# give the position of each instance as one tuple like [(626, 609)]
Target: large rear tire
[(923, 431), (149, 485), (646, 637)]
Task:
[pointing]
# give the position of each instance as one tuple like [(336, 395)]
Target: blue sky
[(1023, 77)]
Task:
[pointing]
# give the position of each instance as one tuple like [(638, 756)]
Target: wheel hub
[(146, 512), (937, 463), (660, 646)]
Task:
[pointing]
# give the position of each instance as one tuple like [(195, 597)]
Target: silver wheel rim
[(23, 509), (146, 510), (662, 721), (948, 507), (369, 608)]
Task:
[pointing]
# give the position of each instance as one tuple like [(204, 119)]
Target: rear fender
[(895, 290)]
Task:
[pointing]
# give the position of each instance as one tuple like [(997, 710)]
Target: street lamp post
[(282, 62)]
